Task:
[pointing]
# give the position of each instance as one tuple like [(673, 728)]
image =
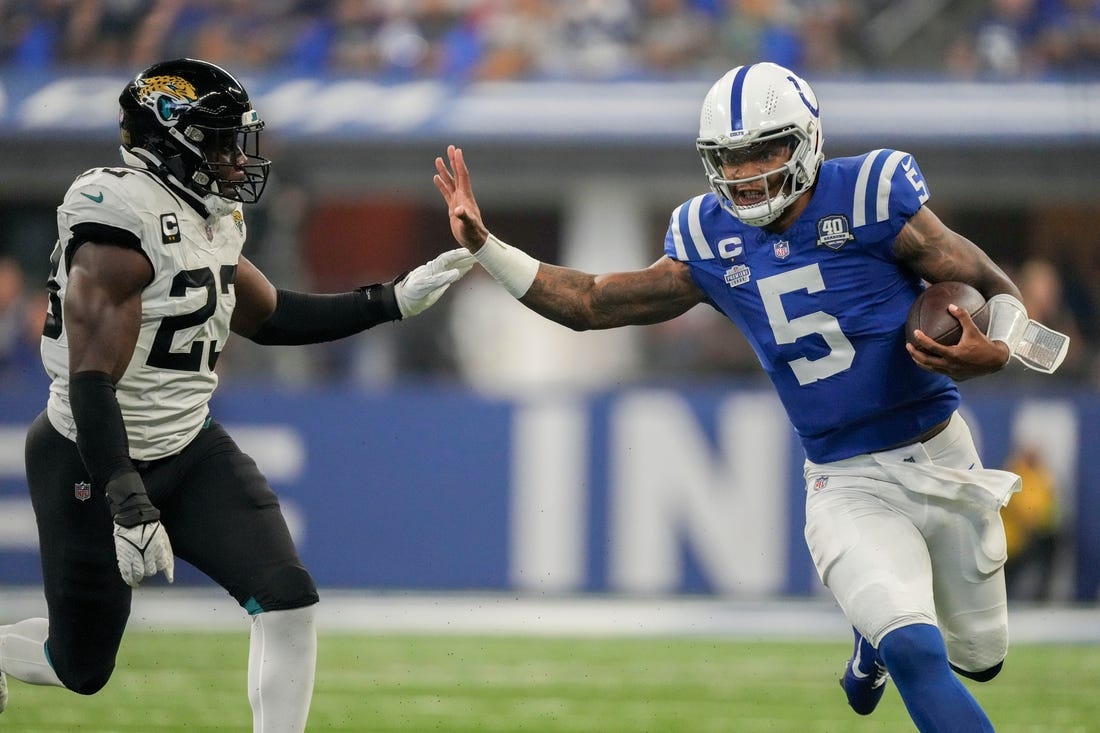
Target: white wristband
[(511, 267), (1007, 320)]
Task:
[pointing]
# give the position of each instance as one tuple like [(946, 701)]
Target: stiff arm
[(578, 300)]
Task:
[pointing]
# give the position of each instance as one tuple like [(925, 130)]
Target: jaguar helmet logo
[(167, 96)]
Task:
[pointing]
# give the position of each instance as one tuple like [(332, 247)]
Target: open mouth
[(749, 197)]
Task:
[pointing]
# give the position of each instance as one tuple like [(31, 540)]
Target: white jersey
[(185, 309)]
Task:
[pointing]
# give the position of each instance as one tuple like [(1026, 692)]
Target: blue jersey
[(824, 303)]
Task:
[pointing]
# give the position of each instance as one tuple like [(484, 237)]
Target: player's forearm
[(565, 296), (991, 280), (583, 302), (310, 318), (104, 448), (556, 293), (100, 430), (968, 263)]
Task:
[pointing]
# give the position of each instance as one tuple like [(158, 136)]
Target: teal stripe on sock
[(253, 607)]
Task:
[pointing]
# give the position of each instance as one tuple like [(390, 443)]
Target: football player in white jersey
[(126, 466), (817, 262)]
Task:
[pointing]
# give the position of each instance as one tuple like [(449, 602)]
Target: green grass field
[(187, 683)]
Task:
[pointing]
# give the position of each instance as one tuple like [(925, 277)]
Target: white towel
[(912, 467)]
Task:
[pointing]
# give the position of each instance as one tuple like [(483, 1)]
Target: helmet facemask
[(796, 178), (218, 151)]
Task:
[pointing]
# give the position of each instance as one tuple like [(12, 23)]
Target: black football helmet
[(184, 112)]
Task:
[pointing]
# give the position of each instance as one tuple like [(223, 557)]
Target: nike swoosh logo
[(98, 198), (855, 665)]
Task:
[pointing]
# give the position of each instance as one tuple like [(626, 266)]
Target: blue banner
[(638, 491)]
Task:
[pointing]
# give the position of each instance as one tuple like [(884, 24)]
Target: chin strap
[(209, 205)]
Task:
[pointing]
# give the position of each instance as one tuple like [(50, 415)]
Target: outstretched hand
[(421, 288), (466, 224)]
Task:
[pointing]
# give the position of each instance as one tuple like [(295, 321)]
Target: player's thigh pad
[(968, 554), (968, 550), (970, 598), (869, 554), (224, 519)]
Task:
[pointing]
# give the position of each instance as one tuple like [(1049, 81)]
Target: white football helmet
[(757, 104)]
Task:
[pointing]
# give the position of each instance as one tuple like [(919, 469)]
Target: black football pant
[(221, 516)]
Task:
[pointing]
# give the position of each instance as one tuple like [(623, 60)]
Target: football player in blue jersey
[(817, 262), (126, 466)]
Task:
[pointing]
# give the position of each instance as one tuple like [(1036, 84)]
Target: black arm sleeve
[(310, 318), (101, 440), (100, 432)]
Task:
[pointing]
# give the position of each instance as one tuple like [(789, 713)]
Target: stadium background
[(476, 448)]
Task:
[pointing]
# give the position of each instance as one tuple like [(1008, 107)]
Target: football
[(929, 312)]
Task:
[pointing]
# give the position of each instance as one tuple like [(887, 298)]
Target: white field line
[(502, 614)]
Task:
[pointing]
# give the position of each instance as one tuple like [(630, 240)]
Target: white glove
[(418, 291), (143, 551)]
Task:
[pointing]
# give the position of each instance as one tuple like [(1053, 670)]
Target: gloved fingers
[(151, 562), (456, 259), (423, 286), (442, 279), (129, 566), (417, 285), (166, 561), (159, 561)]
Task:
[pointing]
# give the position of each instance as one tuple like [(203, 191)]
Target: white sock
[(282, 659), (23, 652)]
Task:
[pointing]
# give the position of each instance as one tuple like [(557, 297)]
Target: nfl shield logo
[(782, 249), (820, 482), (82, 490)]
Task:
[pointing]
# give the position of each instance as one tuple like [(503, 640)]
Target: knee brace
[(286, 588)]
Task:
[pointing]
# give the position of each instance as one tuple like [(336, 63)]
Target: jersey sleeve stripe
[(886, 177), (84, 232), (695, 228), (677, 235), (89, 231), (859, 202)]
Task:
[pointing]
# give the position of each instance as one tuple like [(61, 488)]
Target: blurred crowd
[(472, 40), (468, 40), (1022, 39), (22, 313)]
